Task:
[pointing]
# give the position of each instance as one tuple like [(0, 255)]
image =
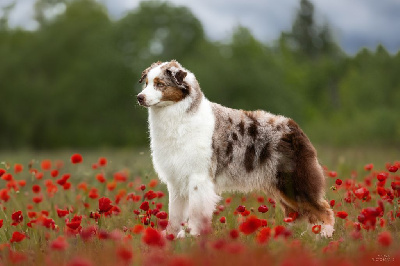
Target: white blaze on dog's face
[(164, 85)]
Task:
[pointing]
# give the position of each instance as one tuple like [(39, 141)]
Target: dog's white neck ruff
[(180, 140)]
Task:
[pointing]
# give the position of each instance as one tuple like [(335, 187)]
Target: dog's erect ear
[(177, 76), (144, 73)]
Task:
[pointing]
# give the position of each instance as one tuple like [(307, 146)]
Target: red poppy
[(67, 186), (395, 185), (4, 194), (368, 167), (1, 223), (150, 195), (250, 225), (17, 237), (332, 174), (163, 224), (338, 182), (381, 191), (241, 208), (37, 199), (382, 176), (73, 224), (263, 235), (222, 220), (142, 187), (263, 209), (62, 213), (102, 161), (120, 176), (93, 194), (88, 232), (162, 215), (282, 231), (332, 203), (234, 233), (18, 168), (104, 205), (76, 158), (160, 194), (368, 216), (36, 188), (125, 253), (393, 168), (153, 237), (385, 239), (2, 172), (342, 214), (46, 165), (153, 183), (144, 206), (316, 229), (100, 177), (288, 219), (39, 175), (17, 217), (361, 193), (111, 185), (54, 173), (7, 177), (59, 243), (137, 229)]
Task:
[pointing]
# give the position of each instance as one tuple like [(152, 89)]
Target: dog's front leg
[(202, 202), (178, 210)]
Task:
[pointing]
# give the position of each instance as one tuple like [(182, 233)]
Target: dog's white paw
[(327, 230), (181, 234)]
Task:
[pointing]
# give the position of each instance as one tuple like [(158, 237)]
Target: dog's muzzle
[(141, 99)]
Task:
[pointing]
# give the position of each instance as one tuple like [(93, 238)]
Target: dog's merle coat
[(201, 149)]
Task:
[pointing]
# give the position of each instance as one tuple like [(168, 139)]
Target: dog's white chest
[(181, 145)]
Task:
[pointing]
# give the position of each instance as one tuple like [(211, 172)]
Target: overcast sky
[(355, 23)]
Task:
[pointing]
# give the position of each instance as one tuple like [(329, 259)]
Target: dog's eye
[(158, 84)]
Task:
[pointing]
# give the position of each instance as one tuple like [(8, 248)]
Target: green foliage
[(73, 81)]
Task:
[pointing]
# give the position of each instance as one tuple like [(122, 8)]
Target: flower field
[(95, 209)]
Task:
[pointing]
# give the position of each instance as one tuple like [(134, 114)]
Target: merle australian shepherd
[(200, 149)]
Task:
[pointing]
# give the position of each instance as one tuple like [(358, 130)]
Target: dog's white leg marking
[(178, 210), (202, 202)]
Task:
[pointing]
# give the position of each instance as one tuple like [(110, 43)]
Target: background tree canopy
[(72, 82)]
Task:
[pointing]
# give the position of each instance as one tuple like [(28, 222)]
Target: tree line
[(73, 81)]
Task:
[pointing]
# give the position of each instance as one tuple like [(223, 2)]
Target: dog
[(201, 149)]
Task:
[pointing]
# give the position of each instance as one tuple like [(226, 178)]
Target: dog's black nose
[(141, 99)]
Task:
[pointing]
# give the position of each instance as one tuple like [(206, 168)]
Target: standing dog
[(201, 149)]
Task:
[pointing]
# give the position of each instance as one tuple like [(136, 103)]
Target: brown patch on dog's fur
[(265, 153), (252, 130), (271, 120), (173, 94), (234, 136), (249, 158), (229, 149), (300, 177), (241, 127)]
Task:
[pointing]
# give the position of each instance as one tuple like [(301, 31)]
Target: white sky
[(355, 23)]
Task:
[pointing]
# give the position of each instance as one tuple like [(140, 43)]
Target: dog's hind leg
[(202, 202), (300, 179)]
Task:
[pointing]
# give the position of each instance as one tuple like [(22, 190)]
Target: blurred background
[(69, 68)]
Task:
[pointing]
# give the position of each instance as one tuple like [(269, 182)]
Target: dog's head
[(165, 84)]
